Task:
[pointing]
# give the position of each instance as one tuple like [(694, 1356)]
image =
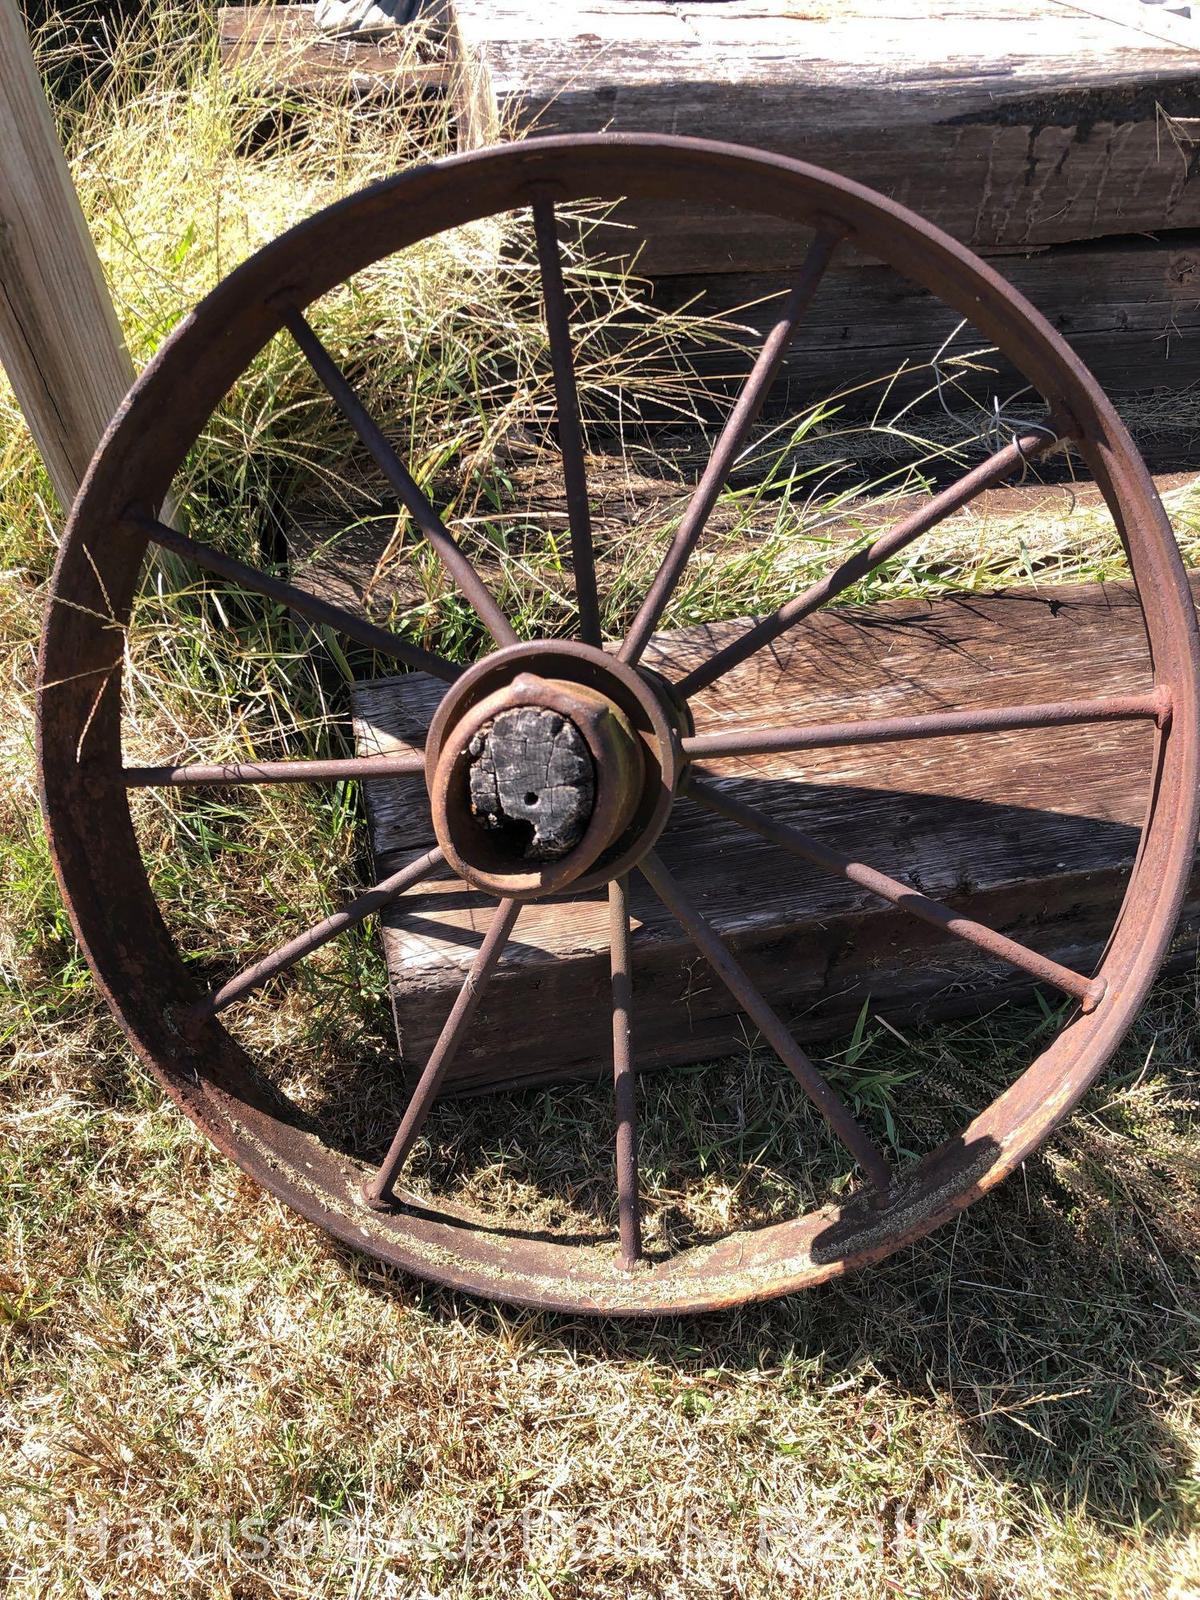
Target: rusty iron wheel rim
[(85, 791)]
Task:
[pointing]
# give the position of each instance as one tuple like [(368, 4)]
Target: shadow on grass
[(1053, 1319), (1053, 1353)]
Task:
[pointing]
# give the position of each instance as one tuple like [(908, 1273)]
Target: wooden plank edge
[(280, 47)]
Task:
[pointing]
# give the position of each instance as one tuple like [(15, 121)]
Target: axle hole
[(531, 798)]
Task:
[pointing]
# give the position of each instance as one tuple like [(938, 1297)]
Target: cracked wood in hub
[(532, 782)]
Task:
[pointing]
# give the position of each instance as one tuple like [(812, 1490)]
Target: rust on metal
[(1154, 706), (570, 433), (637, 700), (1088, 991), (487, 859), (85, 789), (401, 479), (629, 1212), (339, 769), (1002, 464), (733, 975), (730, 443), (303, 944), (379, 1191), (292, 596)]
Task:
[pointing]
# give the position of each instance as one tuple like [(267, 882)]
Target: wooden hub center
[(532, 780), (550, 765)]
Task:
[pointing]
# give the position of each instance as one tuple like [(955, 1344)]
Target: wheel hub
[(551, 765)]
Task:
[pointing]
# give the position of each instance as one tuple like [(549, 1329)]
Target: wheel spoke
[(379, 1190), (1088, 991), (936, 509), (570, 434), (233, 772), (1154, 705), (729, 445), (624, 1080), (389, 463), (298, 600), (769, 1024), (383, 893)]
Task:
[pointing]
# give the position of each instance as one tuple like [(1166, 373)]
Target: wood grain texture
[(1032, 833), (1131, 310), (60, 342), (1011, 123), (531, 780)]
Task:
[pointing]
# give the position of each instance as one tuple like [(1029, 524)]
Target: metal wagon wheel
[(637, 730)]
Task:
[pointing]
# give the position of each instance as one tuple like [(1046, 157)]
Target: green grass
[(201, 1395)]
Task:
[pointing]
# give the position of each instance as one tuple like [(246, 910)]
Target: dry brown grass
[(202, 1395)]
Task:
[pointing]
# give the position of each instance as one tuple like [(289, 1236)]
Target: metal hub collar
[(632, 725)]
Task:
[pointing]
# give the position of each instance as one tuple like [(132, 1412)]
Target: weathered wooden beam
[(1130, 308), (1011, 123), (1129, 305), (281, 47), (1032, 833), (60, 342)]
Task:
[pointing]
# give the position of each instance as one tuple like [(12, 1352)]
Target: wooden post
[(60, 342)]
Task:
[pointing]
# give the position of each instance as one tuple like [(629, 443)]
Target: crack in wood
[(532, 780)]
